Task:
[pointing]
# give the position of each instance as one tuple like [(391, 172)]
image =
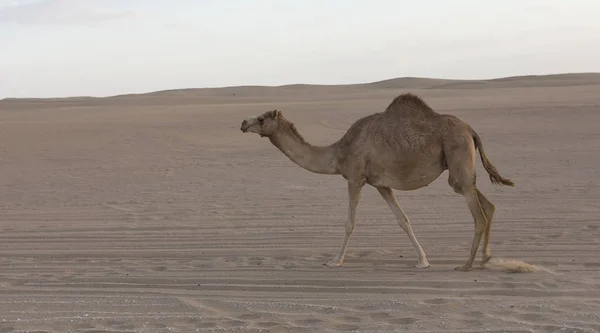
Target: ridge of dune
[(565, 79)]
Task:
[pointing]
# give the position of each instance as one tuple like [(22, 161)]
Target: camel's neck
[(315, 159)]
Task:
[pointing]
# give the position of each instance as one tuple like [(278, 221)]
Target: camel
[(405, 147)]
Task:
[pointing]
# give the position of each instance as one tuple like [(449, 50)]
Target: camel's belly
[(405, 184), (403, 179)]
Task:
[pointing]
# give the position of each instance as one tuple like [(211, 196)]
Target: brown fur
[(409, 101), (406, 147)]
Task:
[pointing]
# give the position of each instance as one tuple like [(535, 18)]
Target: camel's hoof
[(486, 258), (463, 268), (423, 264), (333, 263)]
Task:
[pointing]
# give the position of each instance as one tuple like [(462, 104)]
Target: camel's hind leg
[(460, 156), (488, 209)]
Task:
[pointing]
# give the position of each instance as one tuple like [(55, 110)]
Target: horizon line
[(303, 84)]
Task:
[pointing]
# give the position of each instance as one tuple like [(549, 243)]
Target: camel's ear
[(275, 114)]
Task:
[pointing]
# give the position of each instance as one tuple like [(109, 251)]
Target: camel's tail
[(495, 177)]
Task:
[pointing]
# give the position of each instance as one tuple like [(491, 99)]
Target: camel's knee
[(350, 228), (488, 207), (480, 226), (489, 212), (491, 208), (404, 224)]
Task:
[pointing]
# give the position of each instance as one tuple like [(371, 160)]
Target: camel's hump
[(409, 103)]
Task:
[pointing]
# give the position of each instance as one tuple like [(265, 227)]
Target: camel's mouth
[(245, 126)]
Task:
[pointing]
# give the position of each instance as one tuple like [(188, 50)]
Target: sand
[(154, 213)]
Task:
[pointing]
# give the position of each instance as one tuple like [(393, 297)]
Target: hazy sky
[(106, 47)]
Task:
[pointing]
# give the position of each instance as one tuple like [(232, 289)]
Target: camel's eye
[(260, 121)]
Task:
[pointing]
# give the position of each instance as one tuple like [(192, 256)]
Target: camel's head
[(266, 124)]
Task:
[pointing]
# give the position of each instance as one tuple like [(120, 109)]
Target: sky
[(58, 48)]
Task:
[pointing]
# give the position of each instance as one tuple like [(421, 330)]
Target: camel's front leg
[(353, 197), (404, 222)]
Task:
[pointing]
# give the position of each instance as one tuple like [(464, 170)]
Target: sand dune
[(303, 92), (556, 80), (153, 213)]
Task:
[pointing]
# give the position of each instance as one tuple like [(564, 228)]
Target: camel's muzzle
[(244, 127)]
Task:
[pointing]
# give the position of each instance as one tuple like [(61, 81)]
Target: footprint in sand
[(288, 266), (380, 316), (348, 319), (474, 314), (267, 324), (402, 321), (250, 316), (234, 323), (436, 301), (553, 236), (254, 261), (312, 322)]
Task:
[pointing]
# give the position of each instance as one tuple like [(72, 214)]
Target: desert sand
[(154, 213)]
